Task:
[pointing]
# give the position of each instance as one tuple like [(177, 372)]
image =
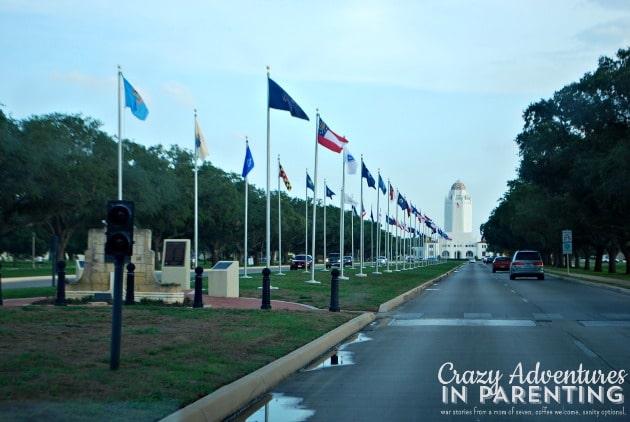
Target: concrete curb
[(601, 285), (229, 399), (391, 304)]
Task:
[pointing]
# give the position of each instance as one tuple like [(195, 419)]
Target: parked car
[(332, 260), (501, 263), (381, 260), (347, 261), (527, 264), (300, 261)]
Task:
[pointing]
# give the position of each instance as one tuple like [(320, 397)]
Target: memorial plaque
[(174, 254)]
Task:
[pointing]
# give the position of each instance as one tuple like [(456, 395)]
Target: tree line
[(573, 174), (58, 172)]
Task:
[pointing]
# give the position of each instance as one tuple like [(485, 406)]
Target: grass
[(54, 361)]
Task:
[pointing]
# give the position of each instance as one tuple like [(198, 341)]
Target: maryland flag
[(284, 177)]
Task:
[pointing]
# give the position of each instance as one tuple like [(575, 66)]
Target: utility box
[(223, 279)]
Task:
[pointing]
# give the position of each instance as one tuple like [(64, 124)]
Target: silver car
[(527, 264)]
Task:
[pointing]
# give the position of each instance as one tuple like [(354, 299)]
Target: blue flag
[(329, 193), (402, 202), (248, 165), (368, 176), (381, 184), (134, 101), (309, 183), (280, 100)]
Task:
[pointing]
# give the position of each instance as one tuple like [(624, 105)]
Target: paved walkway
[(208, 301)]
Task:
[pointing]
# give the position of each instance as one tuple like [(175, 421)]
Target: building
[(464, 244)]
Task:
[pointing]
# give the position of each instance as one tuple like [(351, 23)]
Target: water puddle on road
[(278, 407), (340, 356)]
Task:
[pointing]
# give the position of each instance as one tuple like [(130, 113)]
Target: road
[(476, 346)]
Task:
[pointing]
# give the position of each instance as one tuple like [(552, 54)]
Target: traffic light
[(119, 234)]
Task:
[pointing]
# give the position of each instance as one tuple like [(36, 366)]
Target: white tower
[(458, 210)]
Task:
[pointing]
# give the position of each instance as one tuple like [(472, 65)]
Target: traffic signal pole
[(114, 360)]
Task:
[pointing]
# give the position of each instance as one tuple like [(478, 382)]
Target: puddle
[(277, 407), (339, 357)]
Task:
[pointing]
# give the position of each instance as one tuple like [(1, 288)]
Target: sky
[(427, 92)]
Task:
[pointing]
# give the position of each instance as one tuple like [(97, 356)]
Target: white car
[(381, 260)]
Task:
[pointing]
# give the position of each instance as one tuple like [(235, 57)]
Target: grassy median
[(54, 361)]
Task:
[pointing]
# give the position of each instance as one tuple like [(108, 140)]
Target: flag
[(330, 139), (201, 150), (349, 200), (309, 183), (280, 100), (248, 165), (134, 101), (363, 213), (354, 210), (381, 184), (372, 215), (284, 177), (391, 192), (402, 203), (351, 162), (368, 176), (329, 193)]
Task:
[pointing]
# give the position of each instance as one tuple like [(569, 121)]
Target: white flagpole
[(268, 204), (120, 114), (397, 249), (196, 197), (342, 216), (378, 223), (351, 236), (246, 206), (312, 280), (361, 248), (279, 225), (372, 236), (325, 194), (306, 224), (388, 241)]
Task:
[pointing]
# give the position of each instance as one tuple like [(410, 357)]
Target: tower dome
[(458, 185)]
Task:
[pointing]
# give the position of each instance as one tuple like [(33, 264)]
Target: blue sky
[(428, 92)]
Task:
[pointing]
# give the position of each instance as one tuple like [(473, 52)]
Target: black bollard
[(198, 303), (131, 279), (266, 289), (61, 284), (334, 291)]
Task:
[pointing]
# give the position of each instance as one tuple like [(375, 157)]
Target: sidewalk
[(208, 301)]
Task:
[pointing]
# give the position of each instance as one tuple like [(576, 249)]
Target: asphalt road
[(476, 346)]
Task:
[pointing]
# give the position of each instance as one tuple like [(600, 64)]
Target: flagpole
[(378, 222), (268, 203), (279, 225), (196, 195), (246, 209), (325, 195), (361, 274), (397, 249), (120, 192), (372, 236), (312, 280), (306, 224), (342, 217), (388, 240)]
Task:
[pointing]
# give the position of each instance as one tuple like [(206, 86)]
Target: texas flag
[(330, 139)]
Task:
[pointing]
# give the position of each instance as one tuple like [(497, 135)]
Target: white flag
[(201, 150), (349, 200), (351, 163)]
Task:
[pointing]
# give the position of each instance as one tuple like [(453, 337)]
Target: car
[(332, 260), (381, 260), (347, 261), (471, 260), (488, 259), (300, 261), (501, 263), (527, 263)]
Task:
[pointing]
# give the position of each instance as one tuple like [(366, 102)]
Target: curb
[(616, 289), (231, 398)]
